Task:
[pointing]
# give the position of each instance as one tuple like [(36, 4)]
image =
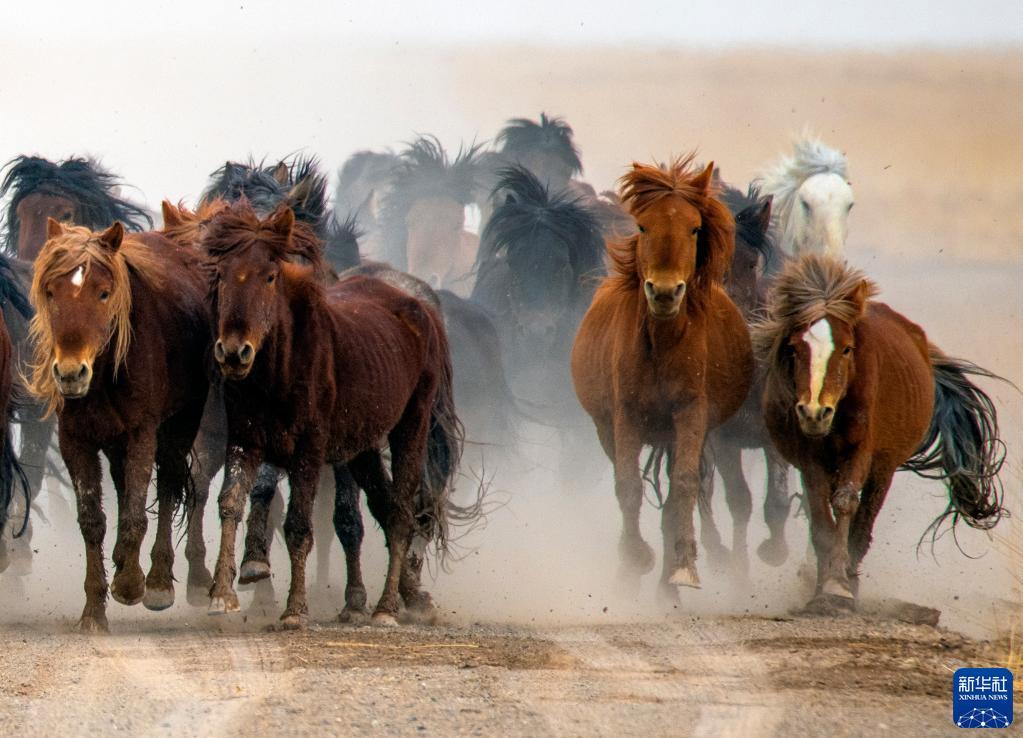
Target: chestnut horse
[(122, 334), (317, 375), (854, 392), (663, 355)]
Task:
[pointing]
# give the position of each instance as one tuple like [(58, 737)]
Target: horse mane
[(11, 290), (188, 226), (295, 181), (424, 170), (808, 289), (645, 186), (80, 247), (238, 227), (552, 135), (810, 157), (745, 207), (356, 174), (531, 208), (341, 245), (80, 179)]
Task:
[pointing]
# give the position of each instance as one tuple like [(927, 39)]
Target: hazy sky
[(709, 22)]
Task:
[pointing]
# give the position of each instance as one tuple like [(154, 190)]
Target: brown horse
[(663, 355), (122, 335), (320, 376), (11, 473), (854, 392)]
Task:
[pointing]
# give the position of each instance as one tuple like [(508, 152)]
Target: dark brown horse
[(122, 333), (317, 376), (663, 355), (854, 392), (11, 473)]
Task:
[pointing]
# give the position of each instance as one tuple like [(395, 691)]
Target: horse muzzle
[(234, 357), (72, 377), (664, 301), (815, 420)]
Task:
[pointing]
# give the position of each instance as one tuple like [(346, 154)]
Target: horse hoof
[(253, 571), (829, 605), (93, 625), (127, 594), (773, 552), (637, 556), (685, 576), (197, 596), (158, 599), (353, 615), (293, 622), (836, 588), (223, 605), (385, 620)]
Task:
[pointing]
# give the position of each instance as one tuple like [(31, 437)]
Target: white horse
[(812, 199)]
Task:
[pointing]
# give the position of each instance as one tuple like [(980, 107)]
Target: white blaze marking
[(821, 343), (78, 277)]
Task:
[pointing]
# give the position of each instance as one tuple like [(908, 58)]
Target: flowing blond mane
[(807, 290), (79, 247)]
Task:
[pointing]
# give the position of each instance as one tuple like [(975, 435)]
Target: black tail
[(12, 475), (962, 447)]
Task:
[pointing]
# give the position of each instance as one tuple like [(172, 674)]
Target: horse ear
[(858, 295), (764, 216), (53, 229), (282, 221), (111, 238), (299, 192), (702, 180), (171, 215), (281, 173)]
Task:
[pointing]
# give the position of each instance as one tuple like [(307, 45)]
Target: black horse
[(540, 257)]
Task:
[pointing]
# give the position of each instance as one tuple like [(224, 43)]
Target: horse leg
[(86, 477), (860, 535), (622, 444), (774, 550), (171, 479), (208, 459), (408, 454), (304, 480), (259, 533), (677, 524), (241, 468), (740, 501), (36, 433), (349, 529), (817, 498), (710, 537), (129, 583)]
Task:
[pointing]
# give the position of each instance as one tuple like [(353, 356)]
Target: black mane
[(296, 181), (341, 243), (530, 209), (424, 170), (79, 179), (553, 136), (746, 208)]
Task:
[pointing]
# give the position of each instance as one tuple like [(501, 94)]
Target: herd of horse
[(441, 305)]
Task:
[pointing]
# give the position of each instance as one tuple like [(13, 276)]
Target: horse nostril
[(827, 412), (56, 371), (247, 353), (82, 371), (801, 410), (218, 351), (648, 287), (680, 289)]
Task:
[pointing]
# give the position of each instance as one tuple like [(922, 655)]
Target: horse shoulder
[(730, 357)]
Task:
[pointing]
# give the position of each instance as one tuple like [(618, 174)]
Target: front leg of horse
[(777, 504), (298, 534), (171, 480), (710, 536), (740, 504), (129, 583), (835, 581), (350, 530), (256, 559), (241, 465), (205, 466), (677, 518), (84, 468), (637, 558)]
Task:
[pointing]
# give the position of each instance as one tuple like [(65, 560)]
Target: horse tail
[(962, 447), (11, 473)]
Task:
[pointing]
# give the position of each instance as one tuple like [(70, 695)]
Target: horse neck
[(662, 336), (301, 310)]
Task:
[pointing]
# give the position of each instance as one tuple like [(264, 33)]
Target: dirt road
[(684, 676)]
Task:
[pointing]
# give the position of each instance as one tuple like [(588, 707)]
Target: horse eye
[(847, 350), (850, 207), (806, 205), (104, 295), (696, 231), (270, 279), (641, 228)]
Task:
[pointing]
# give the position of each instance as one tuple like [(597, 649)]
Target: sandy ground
[(535, 640)]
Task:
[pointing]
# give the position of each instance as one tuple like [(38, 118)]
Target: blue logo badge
[(982, 698)]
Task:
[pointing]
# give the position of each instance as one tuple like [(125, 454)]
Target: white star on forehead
[(78, 277)]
